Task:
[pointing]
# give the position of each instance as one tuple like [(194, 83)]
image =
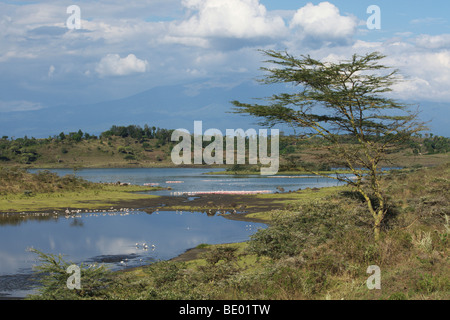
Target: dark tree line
[(138, 133)]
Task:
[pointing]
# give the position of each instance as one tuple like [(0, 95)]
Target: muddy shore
[(232, 206)]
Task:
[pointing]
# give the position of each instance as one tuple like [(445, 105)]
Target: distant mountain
[(168, 107), (438, 116), (171, 107)]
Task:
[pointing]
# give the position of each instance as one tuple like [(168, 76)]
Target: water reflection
[(182, 180), (113, 238)]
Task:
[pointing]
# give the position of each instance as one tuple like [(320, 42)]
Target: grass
[(22, 191), (318, 247), (293, 198), (86, 199), (113, 152)]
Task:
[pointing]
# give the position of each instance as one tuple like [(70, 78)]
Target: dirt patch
[(235, 207)]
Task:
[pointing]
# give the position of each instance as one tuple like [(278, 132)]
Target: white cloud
[(428, 20), (433, 42), (238, 19), (114, 65), (13, 54), (33, 37), (427, 74), (324, 23)]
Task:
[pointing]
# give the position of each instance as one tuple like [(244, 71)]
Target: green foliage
[(130, 157), (52, 276), (169, 280), (308, 224), (136, 132), (437, 144), (165, 272), (428, 284)]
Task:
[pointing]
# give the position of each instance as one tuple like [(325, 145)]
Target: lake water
[(111, 237), (196, 180)]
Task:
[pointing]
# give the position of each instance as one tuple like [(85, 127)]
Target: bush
[(165, 272), (220, 264), (308, 225), (129, 157), (52, 276)]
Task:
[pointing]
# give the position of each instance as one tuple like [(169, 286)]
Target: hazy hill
[(175, 106)]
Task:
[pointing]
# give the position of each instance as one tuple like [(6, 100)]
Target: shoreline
[(229, 205), (189, 254)]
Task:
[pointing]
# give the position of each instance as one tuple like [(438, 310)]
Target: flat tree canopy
[(338, 101)]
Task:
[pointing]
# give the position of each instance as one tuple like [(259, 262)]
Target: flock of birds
[(79, 213), (194, 193), (144, 246)]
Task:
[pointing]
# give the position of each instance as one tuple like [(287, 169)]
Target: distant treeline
[(136, 132), (431, 144), (26, 149), (132, 131)]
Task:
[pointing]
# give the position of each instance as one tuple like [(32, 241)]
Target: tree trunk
[(377, 214), (378, 219)]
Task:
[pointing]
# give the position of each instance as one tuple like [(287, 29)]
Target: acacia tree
[(345, 104)]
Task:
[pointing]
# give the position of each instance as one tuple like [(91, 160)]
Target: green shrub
[(220, 264), (428, 283), (398, 296), (165, 272), (308, 224), (52, 276), (129, 157)]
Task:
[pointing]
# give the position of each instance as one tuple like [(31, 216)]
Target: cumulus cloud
[(114, 65), (427, 74), (323, 23), (219, 38), (238, 19), (433, 42)]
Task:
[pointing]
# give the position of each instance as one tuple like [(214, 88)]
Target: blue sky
[(124, 48)]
